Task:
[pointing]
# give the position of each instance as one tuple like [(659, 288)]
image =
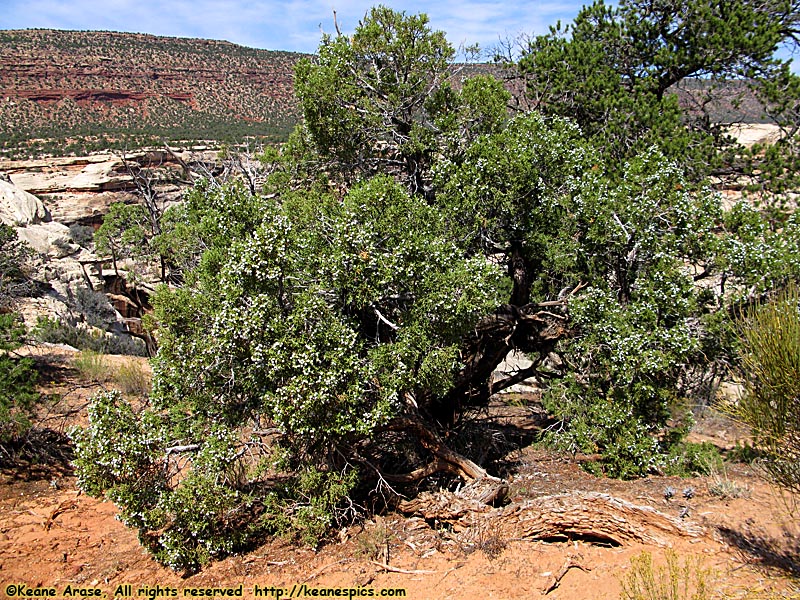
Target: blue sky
[(289, 24), (282, 24)]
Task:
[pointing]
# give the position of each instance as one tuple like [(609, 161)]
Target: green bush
[(55, 331), (688, 459), (18, 378), (771, 369), (188, 517)]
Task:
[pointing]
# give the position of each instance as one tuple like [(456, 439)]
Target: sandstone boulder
[(51, 239), (19, 208)]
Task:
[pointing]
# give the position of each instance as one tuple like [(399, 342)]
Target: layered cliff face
[(55, 204), (102, 87)]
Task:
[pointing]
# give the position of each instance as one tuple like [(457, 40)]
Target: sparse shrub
[(484, 537), (677, 580), (725, 488), (132, 379), (83, 235), (91, 365), (771, 404), (95, 308), (56, 331), (373, 542)]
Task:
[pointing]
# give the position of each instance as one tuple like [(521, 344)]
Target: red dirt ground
[(51, 535)]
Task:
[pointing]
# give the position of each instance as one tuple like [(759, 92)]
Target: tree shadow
[(761, 549), (40, 453), (499, 432)]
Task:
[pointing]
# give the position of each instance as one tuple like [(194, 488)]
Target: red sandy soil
[(51, 535)]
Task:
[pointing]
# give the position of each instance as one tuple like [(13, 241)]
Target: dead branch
[(386, 567), (481, 486), (324, 568), (570, 563)]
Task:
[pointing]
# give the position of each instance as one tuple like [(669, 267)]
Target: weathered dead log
[(593, 516), (445, 507)]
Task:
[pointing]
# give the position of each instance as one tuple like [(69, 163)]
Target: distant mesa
[(62, 86)]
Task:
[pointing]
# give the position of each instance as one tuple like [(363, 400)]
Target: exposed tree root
[(590, 515), (482, 487)]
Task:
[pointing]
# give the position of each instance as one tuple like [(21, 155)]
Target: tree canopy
[(342, 325)]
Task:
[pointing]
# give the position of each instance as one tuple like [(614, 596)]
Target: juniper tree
[(338, 329)]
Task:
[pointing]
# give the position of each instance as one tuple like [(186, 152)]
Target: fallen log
[(584, 515)]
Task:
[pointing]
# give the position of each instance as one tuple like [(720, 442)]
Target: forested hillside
[(83, 90)]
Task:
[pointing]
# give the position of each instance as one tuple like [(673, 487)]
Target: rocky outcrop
[(98, 173), (53, 84), (73, 286), (80, 189)]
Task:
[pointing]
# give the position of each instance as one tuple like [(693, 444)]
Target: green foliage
[(372, 86), (190, 509), (614, 70), (318, 320), (126, 232), (380, 100), (541, 198), (771, 369), (18, 378), (689, 459)]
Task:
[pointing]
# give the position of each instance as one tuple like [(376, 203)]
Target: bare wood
[(65, 505), (590, 515), (570, 563), (179, 449)]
